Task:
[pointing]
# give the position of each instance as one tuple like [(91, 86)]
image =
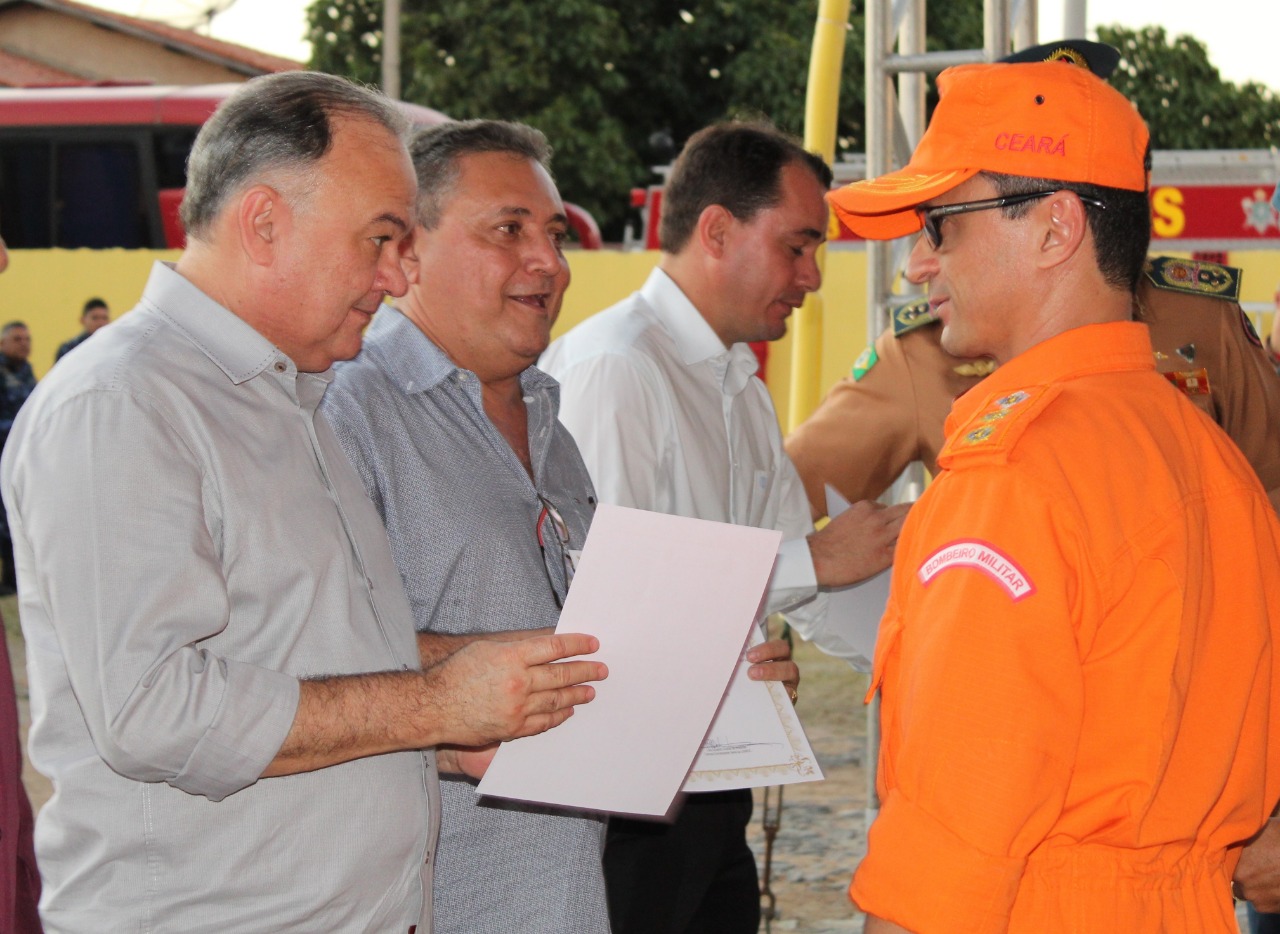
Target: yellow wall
[(46, 289)]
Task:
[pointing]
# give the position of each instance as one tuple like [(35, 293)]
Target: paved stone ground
[(822, 835)]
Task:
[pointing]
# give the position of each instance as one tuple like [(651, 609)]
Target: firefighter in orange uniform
[(1076, 662), (890, 412)]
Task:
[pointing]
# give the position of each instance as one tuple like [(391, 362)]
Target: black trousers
[(695, 876)]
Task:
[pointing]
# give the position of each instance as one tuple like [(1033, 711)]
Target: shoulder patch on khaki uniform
[(1250, 332), (911, 316), (1194, 277), (866, 360), (992, 433)]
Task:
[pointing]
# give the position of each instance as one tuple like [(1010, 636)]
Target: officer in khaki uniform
[(890, 412)]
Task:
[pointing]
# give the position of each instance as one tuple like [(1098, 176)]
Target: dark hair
[(436, 152), (278, 121), (1121, 231), (735, 165), (92, 304), (13, 325)]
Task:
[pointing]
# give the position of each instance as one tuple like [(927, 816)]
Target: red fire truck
[(1207, 202)]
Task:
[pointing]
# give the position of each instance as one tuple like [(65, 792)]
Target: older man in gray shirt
[(225, 682), (485, 496)]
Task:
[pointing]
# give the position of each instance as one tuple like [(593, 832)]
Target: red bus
[(105, 166)]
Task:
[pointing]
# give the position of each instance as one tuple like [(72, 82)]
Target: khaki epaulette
[(911, 316), (992, 434), (1194, 277)]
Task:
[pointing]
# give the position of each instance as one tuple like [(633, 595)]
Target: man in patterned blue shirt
[(485, 496)]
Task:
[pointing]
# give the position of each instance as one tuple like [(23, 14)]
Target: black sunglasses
[(929, 217)]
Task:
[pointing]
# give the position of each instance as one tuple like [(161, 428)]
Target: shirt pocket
[(761, 511)]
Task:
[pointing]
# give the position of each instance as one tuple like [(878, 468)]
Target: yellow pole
[(821, 99)]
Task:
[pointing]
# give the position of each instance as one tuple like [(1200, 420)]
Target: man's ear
[(714, 225), (261, 220), (1065, 227)]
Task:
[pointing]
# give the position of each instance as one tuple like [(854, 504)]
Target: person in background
[(19, 876), (19, 381), (93, 317)]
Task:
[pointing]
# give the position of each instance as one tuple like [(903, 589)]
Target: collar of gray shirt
[(415, 364)]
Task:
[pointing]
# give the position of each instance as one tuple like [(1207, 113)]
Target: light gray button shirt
[(463, 516), (190, 542)]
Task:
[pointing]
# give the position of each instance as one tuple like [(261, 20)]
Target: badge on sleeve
[(980, 556), (1192, 382), (1250, 331), (866, 360)]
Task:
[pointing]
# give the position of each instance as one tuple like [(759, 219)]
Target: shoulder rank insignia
[(1194, 277), (866, 360), (997, 425), (913, 315)]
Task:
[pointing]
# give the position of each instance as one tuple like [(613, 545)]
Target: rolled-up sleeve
[(111, 496)]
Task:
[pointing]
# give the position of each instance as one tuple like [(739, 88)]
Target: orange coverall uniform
[(1080, 719)]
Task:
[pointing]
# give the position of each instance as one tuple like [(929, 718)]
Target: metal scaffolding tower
[(895, 80)]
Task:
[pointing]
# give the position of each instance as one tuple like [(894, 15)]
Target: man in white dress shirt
[(660, 394)]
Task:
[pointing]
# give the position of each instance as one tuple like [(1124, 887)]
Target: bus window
[(172, 145), (26, 199), (66, 193), (99, 196)]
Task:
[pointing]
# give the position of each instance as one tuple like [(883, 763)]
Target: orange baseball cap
[(1038, 120)]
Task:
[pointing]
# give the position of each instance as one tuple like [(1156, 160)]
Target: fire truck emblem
[(1258, 212)]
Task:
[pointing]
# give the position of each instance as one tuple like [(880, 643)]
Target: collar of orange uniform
[(1095, 348)]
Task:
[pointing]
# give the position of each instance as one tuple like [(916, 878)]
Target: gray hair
[(436, 152), (13, 326), (273, 123)]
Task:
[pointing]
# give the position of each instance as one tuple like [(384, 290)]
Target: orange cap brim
[(883, 208), (1034, 120)]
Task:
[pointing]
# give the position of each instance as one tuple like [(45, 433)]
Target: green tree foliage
[(617, 87), (1185, 101), (551, 65)]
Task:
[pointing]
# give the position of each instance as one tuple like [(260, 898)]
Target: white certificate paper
[(755, 740), (672, 601), (854, 612)]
